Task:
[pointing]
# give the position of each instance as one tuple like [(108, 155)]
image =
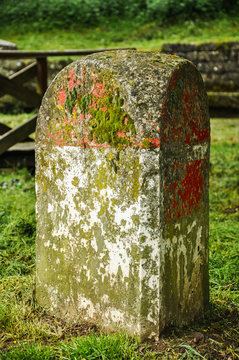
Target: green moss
[(108, 123), (129, 168), (135, 219), (84, 102), (70, 101), (75, 181), (96, 96), (146, 143)]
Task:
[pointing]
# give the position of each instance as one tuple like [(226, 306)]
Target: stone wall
[(219, 67), (6, 45)]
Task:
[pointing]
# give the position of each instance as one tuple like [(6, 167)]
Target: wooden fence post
[(41, 75)]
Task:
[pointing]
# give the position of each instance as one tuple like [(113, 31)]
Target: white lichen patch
[(86, 306), (50, 208), (109, 229), (190, 226)]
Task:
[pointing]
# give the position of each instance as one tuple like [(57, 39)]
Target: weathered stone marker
[(122, 165)]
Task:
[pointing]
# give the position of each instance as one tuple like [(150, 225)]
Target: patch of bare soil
[(217, 339)]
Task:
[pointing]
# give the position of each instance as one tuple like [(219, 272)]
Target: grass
[(15, 120), (28, 332), (17, 224), (103, 347), (124, 34), (224, 214)]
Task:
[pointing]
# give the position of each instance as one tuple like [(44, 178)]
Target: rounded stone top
[(122, 99)]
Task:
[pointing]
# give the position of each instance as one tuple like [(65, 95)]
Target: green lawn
[(125, 33), (27, 332)]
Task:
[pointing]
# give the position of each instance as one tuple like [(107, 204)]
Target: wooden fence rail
[(14, 85)]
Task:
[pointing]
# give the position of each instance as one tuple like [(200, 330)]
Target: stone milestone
[(122, 168)]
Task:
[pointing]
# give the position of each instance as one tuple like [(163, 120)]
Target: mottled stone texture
[(122, 163)]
